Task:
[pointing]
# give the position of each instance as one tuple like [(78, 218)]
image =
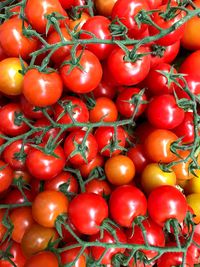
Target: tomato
[(95, 211), (99, 27), (142, 131), (104, 110), (128, 72), (128, 100), (119, 170), (22, 220), (64, 178), (100, 187), (174, 205), (105, 137), (23, 175), (104, 89), (67, 236), (2, 54), (105, 7), (193, 202), (86, 168), (15, 250), (126, 10), (85, 76), (163, 112), (42, 92), (38, 19), (153, 176), (41, 259), (78, 153), (11, 80), (12, 40), (154, 234), (16, 197), (157, 145), (78, 23), (66, 4), (107, 237), (126, 203), (153, 4), (6, 176), (193, 185), (165, 23), (70, 255), (3, 229), (36, 239)]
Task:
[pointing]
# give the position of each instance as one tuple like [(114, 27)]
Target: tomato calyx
[(117, 28), (158, 50)]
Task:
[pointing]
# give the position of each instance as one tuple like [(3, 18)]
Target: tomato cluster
[(99, 133)]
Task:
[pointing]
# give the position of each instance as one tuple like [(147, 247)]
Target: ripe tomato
[(107, 237), (38, 19), (193, 202), (104, 7), (105, 137), (24, 175), (85, 76), (70, 255), (47, 206), (127, 72), (95, 211), (193, 185), (126, 10), (104, 89), (6, 176), (2, 54), (153, 176), (104, 110), (44, 165), (100, 187), (86, 168), (11, 80), (3, 229), (127, 101), (66, 4), (119, 170), (154, 4), (22, 220), (45, 91), (126, 203), (174, 205), (12, 40), (16, 197), (78, 23), (41, 259)]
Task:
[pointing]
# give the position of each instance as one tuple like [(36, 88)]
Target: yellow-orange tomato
[(153, 176), (11, 80), (193, 185), (119, 170), (181, 183), (79, 22), (104, 7), (193, 201), (190, 39)]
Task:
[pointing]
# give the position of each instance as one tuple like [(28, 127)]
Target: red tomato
[(86, 168), (76, 152), (95, 211), (154, 4), (127, 101), (45, 165), (191, 63), (174, 205), (67, 236), (70, 255), (3, 229), (2, 54), (163, 112), (104, 89), (104, 7), (42, 92), (18, 256), (105, 137), (85, 76), (41, 259), (12, 40), (100, 187), (66, 4), (78, 23), (16, 197), (24, 175), (6, 176), (142, 131), (126, 203), (127, 72)]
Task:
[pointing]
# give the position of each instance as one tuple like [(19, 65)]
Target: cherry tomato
[(153, 4), (104, 7), (193, 202), (66, 4), (126, 203), (104, 89), (6, 176), (193, 185), (100, 187), (16, 197), (3, 229), (84, 77), (77, 24), (70, 255), (41, 259), (86, 168), (95, 211), (174, 205)]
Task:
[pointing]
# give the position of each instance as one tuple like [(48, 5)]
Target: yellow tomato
[(193, 201), (193, 185)]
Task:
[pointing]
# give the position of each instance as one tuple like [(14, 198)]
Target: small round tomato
[(128, 100), (104, 7), (11, 80), (126, 203), (6, 176), (192, 186), (3, 229), (77, 24), (36, 239), (193, 202), (41, 259), (66, 4), (22, 219), (70, 255), (157, 146), (42, 92), (104, 89), (153, 176), (84, 77), (86, 168), (104, 110), (190, 64), (16, 197), (174, 205), (100, 187), (119, 170), (95, 211)]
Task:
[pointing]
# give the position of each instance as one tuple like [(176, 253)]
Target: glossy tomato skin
[(70, 255), (126, 10), (6, 176), (78, 23), (190, 64), (127, 72), (174, 205), (12, 40), (2, 227), (87, 78), (44, 258), (126, 203), (104, 7), (107, 237), (2, 54), (153, 4), (104, 137), (193, 202), (95, 211), (126, 104), (86, 168), (66, 4), (45, 166), (42, 92), (16, 197), (104, 89), (97, 186)]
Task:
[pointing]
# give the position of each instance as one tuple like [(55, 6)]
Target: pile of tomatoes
[(99, 133)]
